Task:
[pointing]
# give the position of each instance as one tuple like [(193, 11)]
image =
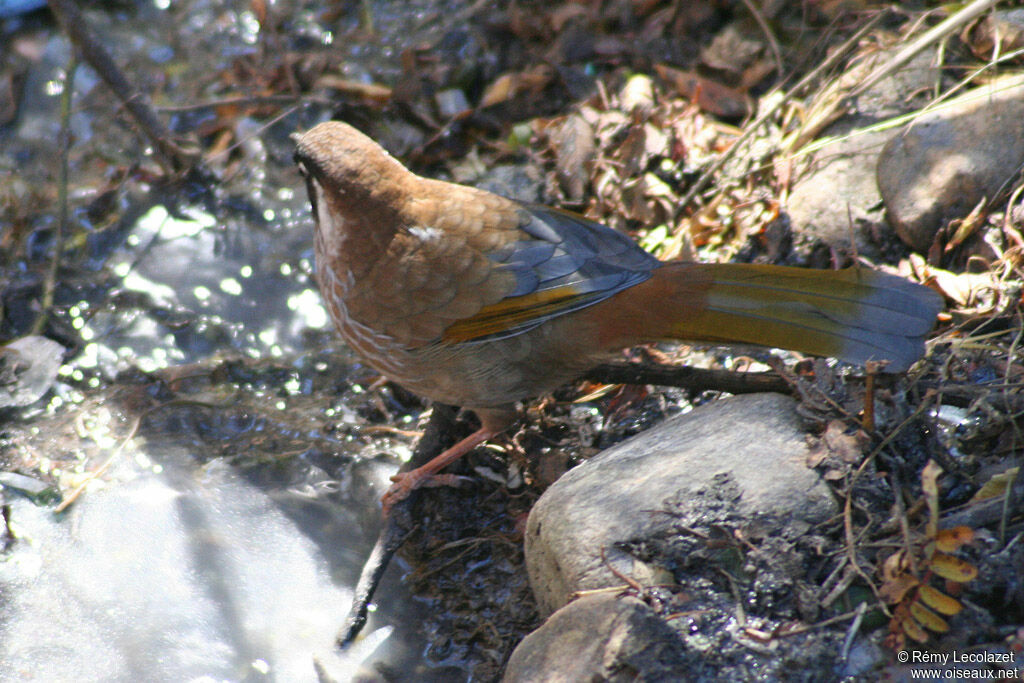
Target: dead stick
[(64, 145), (397, 527), (391, 538), (172, 156), (694, 379)]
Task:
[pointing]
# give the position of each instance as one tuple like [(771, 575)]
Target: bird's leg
[(427, 475), (492, 424)]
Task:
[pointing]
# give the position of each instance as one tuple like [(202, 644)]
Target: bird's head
[(349, 177)]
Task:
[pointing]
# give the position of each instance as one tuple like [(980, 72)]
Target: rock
[(601, 637), (836, 198), (752, 446), (951, 158), (451, 102), (28, 368)]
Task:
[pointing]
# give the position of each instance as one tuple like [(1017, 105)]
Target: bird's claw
[(407, 482)]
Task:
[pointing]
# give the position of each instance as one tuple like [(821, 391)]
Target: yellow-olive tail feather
[(855, 314)]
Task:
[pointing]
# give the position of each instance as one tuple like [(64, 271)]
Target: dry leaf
[(952, 568), (709, 95), (911, 628), (894, 565), (656, 141), (951, 540), (573, 143), (930, 487), (847, 447), (367, 91), (967, 226), (939, 601), (1005, 29), (995, 486), (731, 50), (637, 94), (632, 152), (895, 590), (564, 13), (501, 89), (509, 85), (968, 290), (927, 618)]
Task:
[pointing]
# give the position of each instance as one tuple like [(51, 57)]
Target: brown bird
[(472, 299)]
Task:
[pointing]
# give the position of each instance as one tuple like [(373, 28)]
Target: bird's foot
[(407, 482)]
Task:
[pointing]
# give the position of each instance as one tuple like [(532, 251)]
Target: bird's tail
[(855, 314)]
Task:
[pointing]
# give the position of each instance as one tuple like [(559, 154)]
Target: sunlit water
[(168, 578), (183, 561), (176, 565)]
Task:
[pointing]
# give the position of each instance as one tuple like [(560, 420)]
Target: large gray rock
[(836, 197), (752, 443), (948, 160), (601, 637)]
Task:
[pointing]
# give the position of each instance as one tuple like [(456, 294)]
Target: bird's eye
[(313, 190)]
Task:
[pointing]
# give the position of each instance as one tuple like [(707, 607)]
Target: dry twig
[(172, 155)]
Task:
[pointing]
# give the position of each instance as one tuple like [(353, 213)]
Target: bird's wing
[(559, 262)]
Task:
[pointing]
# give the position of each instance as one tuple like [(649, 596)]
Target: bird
[(472, 299)]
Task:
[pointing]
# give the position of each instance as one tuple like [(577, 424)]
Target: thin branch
[(773, 42), (694, 379), (171, 155), (398, 526), (64, 146)]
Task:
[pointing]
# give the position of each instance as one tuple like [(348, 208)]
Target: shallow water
[(235, 499)]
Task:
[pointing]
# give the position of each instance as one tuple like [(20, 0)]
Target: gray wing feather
[(567, 250)]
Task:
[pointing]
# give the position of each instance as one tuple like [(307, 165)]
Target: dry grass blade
[(940, 31), (832, 60)]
